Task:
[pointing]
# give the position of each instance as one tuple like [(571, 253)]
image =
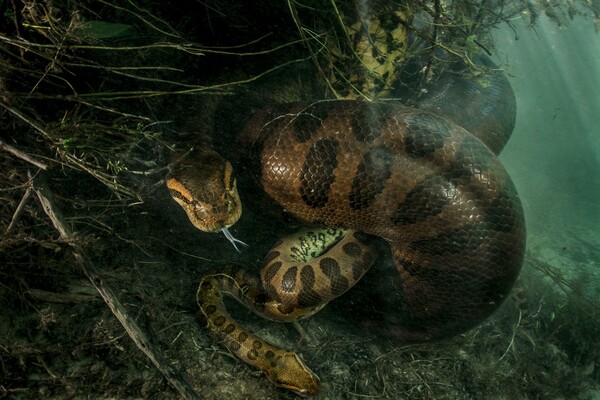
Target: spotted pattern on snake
[(435, 192), (294, 284)]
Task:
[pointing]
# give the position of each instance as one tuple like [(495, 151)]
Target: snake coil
[(431, 188)]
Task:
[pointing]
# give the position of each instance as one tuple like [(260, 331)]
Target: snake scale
[(433, 190)]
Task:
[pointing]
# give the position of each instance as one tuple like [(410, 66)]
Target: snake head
[(289, 372), (206, 189)]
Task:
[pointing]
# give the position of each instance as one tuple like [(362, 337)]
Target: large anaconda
[(433, 190)]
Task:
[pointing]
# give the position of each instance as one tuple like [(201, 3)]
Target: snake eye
[(229, 177), (232, 186)]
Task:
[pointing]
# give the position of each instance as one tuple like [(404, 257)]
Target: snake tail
[(282, 367), (301, 274)]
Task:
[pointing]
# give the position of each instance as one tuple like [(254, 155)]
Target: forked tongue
[(233, 240)]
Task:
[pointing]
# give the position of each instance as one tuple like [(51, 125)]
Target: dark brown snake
[(431, 189)]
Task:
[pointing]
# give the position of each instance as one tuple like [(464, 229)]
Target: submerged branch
[(175, 378), (22, 155)]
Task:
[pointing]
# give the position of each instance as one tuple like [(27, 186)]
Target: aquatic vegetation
[(94, 98)]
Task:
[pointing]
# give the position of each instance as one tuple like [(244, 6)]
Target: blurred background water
[(554, 153)]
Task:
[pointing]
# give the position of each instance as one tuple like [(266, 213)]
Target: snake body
[(434, 191)]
